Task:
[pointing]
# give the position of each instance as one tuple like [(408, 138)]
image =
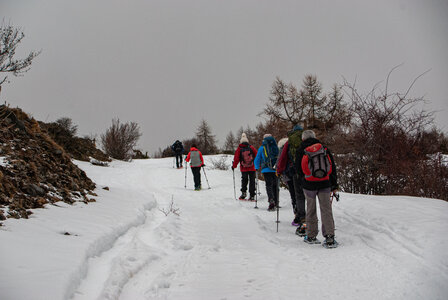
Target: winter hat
[(282, 142), (297, 127), (307, 134), (244, 139), (266, 135)]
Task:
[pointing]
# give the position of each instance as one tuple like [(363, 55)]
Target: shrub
[(120, 139)]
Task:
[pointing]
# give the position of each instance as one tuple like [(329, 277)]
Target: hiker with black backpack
[(196, 161), (265, 160), (244, 155), (286, 167), (317, 171), (178, 150)]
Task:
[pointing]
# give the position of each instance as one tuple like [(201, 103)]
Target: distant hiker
[(245, 155), (265, 160), (317, 171), (196, 163), (286, 166), (178, 150)]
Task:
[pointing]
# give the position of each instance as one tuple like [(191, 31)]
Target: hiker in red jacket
[(196, 163), (244, 155)]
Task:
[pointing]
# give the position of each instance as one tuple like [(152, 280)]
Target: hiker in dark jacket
[(314, 185), (196, 163), (244, 155), (285, 170), (266, 160), (178, 150), (285, 166)]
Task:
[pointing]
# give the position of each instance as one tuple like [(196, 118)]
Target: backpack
[(195, 159), (270, 150), (294, 141), (246, 157), (316, 163), (178, 147)]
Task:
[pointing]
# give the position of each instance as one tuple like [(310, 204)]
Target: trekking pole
[(278, 201), (203, 169), (256, 194), (186, 167), (173, 162), (234, 188)]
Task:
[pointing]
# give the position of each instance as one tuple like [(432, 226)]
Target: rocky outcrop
[(34, 169)]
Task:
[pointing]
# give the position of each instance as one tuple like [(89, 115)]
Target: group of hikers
[(300, 161)]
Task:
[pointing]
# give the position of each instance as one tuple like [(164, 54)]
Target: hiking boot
[(271, 205), (311, 240), (301, 230), (243, 195), (252, 198), (295, 222), (329, 240)]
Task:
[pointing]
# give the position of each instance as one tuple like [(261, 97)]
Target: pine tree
[(206, 140), (231, 143)]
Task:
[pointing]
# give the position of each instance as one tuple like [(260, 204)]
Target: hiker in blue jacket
[(265, 160)]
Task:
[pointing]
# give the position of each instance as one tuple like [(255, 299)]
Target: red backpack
[(316, 163), (246, 157)]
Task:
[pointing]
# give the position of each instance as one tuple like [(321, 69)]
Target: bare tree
[(313, 100), (387, 154), (120, 139), (289, 106), (10, 37), (206, 140), (285, 103)]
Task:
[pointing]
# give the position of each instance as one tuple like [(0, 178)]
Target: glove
[(233, 168)]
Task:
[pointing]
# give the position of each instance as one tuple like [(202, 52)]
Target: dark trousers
[(178, 160), (248, 177), (196, 176), (300, 211), (271, 186), (292, 193)]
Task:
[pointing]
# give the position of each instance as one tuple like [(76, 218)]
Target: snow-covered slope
[(124, 247)]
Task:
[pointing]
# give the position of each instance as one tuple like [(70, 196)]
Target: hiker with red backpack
[(196, 163), (265, 160), (317, 171), (244, 155)]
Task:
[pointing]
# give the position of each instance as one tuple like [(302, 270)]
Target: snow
[(3, 161), (123, 247)]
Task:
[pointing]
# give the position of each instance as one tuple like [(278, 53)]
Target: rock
[(34, 190)]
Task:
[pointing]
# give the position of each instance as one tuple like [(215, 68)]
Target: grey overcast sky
[(168, 64)]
